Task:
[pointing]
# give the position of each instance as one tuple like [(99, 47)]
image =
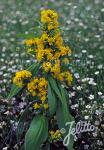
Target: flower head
[(21, 76)]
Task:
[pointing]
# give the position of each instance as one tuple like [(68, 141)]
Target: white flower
[(76, 75), (5, 148), (90, 56), (91, 97), (79, 88), (86, 117), (88, 106), (100, 93), (102, 10), (72, 94), (91, 81), (97, 72), (100, 66), (97, 36), (84, 51)]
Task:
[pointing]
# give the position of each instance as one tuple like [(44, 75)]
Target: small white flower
[(97, 72), (91, 97), (86, 117), (81, 24), (84, 51), (75, 7), (5, 148), (79, 88), (69, 4), (100, 66), (90, 56), (102, 10), (88, 106), (100, 93), (97, 36), (94, 134), (86, 39), (76, 75), (68, 21)]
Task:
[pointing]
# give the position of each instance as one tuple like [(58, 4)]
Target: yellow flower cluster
[(30, 42), (21, 76), (49, 17), (66, 76), (38, 87), (50, 49), (39, 105), (55, 135)]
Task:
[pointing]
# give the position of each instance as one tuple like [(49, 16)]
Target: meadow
[(82, 27)]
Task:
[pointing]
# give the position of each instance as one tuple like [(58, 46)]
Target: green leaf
[(51, 100), (15, 89), (37, 133), (20, 127), (63, 116), (54, 86), (62, 119), (25, 36)]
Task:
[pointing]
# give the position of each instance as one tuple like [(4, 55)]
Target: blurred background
[(82, 27)]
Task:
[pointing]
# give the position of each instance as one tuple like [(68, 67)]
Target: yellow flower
[(36, 105), (48, 16), (29, 50), (69, 79), (46, 106), (20, 76), (38, 87), (53, 25), (59, 40), (39, 43), (65, 50), (51, 40), (66, 60), (32, 86), (56, 68), (55, 135), (57, 55), (60, 77), (44, 36), (43, 98), (48, 53), (40, 54), (46, 66), (30, 42)]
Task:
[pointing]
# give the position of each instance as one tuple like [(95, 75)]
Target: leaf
[(51, 100), (25, 36), (37, 133), (20, 127), (15, 89), (62, 119), (63, 116), (54, 86)]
